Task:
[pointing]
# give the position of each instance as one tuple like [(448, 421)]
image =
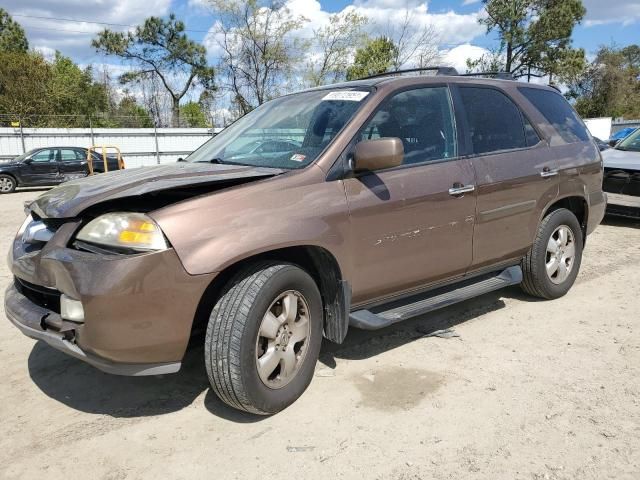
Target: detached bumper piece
[(46, 324)]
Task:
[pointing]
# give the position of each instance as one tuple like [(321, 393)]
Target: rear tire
[(263, 338), (7, 184), (551, 266)]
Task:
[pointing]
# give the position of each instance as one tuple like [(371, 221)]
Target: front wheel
[(7, 184), (263, 338), (551, 266)]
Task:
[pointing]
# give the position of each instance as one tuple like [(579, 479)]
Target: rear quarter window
[(557, 111)]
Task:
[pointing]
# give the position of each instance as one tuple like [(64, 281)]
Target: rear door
[(72, 163), (408, 229), (42, 168), (579, 161), (516, 174)]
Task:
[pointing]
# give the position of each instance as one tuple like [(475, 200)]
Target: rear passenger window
[(68, 155), (495, 122), (555, 108), (422, 119)]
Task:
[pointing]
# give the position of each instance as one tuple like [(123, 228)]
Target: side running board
[(396, 311)]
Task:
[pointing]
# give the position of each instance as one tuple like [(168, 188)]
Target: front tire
[(263, 338), (7, 184), (551, 266)]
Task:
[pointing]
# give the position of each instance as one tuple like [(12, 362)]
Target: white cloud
[(74, 38), (453, 28), (46, 52), (470, 2), (457, 56), (384, 15), (601, 12)]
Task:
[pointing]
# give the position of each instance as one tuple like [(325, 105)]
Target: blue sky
[(455, 20)]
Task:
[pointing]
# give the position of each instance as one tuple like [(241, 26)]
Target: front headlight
[(126, 230), (23, 227)]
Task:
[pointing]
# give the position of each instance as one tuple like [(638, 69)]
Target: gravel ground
[(529, 390)]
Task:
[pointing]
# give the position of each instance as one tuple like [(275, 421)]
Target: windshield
[(23, 156), (631, 143), (288, 132)]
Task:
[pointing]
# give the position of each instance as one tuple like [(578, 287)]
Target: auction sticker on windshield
[(349, 95)]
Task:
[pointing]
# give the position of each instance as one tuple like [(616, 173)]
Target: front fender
[(212, 232)]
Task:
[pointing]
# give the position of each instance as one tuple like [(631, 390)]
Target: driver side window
[(44, 156), (422, 119)]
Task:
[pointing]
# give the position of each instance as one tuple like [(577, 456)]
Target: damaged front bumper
[(138, 309), (37, 322)]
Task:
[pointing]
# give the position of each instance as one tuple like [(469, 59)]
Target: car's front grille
[(44, 297)]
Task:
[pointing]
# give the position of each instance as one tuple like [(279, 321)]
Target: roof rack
[(498, 75), (438, 70)]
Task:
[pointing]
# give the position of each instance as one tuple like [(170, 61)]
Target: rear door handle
[(459, 189), (547, 172)]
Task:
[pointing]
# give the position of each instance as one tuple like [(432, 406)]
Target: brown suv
[(359, 204)]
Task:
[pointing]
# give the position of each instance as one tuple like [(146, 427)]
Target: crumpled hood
[(71, 198), (614, 158)]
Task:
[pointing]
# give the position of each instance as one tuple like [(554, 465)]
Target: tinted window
[(422, 119), (68, 155), (495, 122), (555, 108), (44, 156)]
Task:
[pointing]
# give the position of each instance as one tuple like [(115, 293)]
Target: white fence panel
[(139, 146)]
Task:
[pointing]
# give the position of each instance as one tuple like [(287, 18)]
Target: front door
[(408, 229), (42, 168)]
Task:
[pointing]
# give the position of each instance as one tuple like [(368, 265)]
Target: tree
[(336, 42), (258, 52), (74, 93), (610, 85), (129, 114), (535, 36), (24, 86), (376, 56), (415, 43), (193, 116), (160, 49), (12, 37)]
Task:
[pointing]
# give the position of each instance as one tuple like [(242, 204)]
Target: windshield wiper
[(216, 160)]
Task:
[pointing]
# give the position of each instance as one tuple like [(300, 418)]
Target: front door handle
[(547, 172), (460, 189)]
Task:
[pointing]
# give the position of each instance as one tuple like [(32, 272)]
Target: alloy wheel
[(6, 185), (561, 252), (282, 339)]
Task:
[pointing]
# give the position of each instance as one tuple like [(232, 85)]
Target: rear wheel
[(263, 338), (7, 184), (551, 266)]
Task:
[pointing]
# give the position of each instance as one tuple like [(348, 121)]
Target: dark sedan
[(49, 166)]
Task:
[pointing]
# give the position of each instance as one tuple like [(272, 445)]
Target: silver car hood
[(614, 158)]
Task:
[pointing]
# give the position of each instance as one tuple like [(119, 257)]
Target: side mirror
[(180, 159), (377, 154), (27, 161), (613, 143)]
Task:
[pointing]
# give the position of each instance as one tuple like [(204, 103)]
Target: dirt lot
[(530, 390)]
